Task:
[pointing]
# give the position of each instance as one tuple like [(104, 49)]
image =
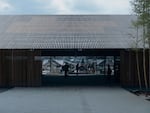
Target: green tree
[(136, 49), (141, 8)]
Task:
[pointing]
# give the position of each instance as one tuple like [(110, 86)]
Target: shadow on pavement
[(94, 80), (4, 89)]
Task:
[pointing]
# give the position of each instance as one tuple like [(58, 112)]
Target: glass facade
[(87, 65)]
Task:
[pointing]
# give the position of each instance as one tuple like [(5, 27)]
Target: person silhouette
[(66, 69), (77, 68), (109, 74)]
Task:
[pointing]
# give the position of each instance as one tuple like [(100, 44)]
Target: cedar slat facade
[(19, 68), (128, 66)]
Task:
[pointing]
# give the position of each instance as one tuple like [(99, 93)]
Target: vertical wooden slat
[(19, 68)]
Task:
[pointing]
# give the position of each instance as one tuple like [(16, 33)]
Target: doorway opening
[(83, 70)]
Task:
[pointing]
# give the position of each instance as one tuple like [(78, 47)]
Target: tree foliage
[(141, 8)]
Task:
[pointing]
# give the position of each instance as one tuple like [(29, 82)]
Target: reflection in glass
[(88, 65)]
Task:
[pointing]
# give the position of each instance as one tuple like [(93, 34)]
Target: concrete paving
[(72, 100)]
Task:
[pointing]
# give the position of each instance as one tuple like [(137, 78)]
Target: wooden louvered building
[(24, 39)]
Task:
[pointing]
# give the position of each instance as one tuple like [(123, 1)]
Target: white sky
[(65, 7)]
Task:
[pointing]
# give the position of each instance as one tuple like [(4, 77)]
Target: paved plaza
[(73, 99)]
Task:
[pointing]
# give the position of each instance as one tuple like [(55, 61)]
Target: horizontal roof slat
[(65, 31)]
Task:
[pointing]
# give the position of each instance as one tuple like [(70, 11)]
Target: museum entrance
[(80, 65), (82, 70)]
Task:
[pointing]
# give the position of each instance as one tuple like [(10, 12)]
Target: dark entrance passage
[(83, 70), (81, 80)]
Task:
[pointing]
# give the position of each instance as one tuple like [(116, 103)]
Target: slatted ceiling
[(72, 31)]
